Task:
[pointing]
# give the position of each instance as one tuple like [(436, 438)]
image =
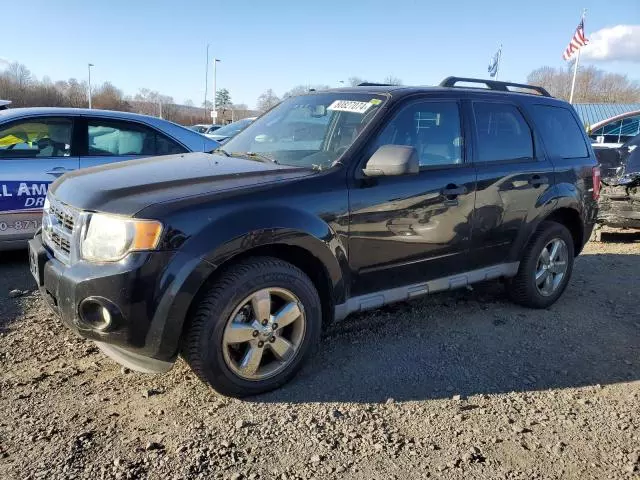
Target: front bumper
[(136, 335)]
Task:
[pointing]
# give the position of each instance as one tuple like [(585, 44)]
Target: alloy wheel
[(551, 267), (264, 334)]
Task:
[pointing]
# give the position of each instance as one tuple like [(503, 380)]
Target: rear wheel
[(545, 267), (254, 328)]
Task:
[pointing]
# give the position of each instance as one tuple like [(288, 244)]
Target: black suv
[(331, 203)]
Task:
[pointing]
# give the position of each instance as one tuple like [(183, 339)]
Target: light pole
[(214, 112), (206, 83), (89, 67)]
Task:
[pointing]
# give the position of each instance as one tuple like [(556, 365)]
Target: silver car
[(37, 145)]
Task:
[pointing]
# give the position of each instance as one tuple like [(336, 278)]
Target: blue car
[(38, 145)]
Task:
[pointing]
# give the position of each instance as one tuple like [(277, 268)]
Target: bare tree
[(189, 103), (77, 93), (391, 80), (20, 74), (355, 81), (267, 100), (302, 89), (593, 85), (109, 97)]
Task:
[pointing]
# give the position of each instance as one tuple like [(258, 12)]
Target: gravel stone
[(68, 412)]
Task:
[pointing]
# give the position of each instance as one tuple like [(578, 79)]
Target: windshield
[(308, 130), (233, 128)]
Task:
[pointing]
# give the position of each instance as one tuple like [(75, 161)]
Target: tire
[(220, 364), (523, 288)]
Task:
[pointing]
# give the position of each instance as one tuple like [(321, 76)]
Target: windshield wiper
[(222, 151), (255, 156)]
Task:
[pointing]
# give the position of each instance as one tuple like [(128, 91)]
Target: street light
[(89, 67), (206, 82), (214, 112)]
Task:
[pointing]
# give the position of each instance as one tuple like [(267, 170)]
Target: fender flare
[(229, 236), (560, 196)]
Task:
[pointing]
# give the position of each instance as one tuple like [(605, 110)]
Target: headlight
[(108, 238)]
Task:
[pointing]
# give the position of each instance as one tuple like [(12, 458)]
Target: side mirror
[(393, 160)]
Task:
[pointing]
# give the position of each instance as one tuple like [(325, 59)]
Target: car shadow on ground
[(476, 342), (14, 275)]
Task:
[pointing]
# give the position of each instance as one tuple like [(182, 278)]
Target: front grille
[(64, 218), (61, 243), (59, 229)]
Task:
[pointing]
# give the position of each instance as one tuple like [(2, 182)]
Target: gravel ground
[(456, 385)]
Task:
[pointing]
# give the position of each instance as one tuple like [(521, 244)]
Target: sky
[(278, 44)]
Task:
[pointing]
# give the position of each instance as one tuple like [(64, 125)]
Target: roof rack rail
[(493, 85), (373, 84)]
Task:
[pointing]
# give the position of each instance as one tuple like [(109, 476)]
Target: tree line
[(24, 90), (593, 85), (269, 98)]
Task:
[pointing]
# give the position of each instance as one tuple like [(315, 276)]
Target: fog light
[(106, 316), (98, 313)]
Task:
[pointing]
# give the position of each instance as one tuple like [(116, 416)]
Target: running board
[(399, 294)]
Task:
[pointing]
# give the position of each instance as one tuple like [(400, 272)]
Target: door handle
[(454, 190), (58, 171), (537, 181)]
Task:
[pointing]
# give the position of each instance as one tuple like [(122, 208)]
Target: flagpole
[(575, 67)]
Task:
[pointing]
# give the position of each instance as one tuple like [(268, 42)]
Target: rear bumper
[(144, 295), (618, 209)]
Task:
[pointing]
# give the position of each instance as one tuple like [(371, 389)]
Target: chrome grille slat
[(64, 224)]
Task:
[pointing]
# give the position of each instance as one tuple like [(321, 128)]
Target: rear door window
[(561, 133), (502, 133), (118, 138)]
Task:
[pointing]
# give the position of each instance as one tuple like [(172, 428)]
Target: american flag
[(578, 40)]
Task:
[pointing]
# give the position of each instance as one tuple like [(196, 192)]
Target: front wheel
[(545, 267), (254, 328)]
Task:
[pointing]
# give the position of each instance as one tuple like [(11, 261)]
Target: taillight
[(595, 174)]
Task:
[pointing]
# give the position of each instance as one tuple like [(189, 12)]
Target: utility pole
[(214, 112), (89, 67), (206, 83)]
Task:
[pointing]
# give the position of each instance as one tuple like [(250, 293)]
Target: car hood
[(125, 188)]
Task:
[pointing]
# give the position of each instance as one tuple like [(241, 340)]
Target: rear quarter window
[(561, 133)]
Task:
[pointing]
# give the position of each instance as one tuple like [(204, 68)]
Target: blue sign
[(22, 195)]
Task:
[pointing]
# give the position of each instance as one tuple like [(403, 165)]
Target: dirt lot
[(459, 385)]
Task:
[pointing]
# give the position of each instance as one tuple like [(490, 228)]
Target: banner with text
[(22, 195)]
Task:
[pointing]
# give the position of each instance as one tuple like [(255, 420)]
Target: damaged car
[(620, 192)]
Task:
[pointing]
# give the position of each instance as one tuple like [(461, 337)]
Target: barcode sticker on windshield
[(349, 106)]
